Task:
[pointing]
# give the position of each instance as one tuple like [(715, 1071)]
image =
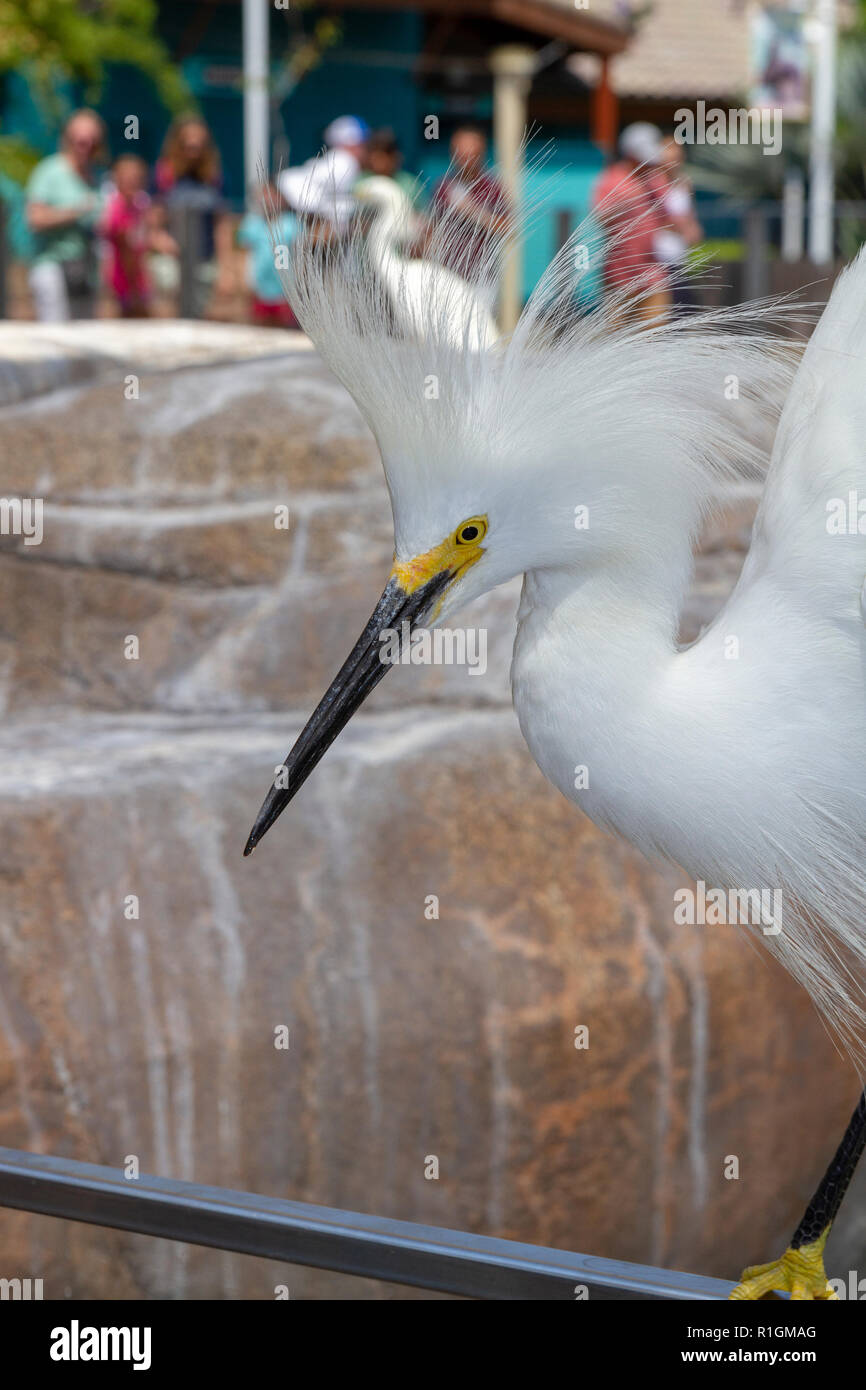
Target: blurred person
[(130, 232), (310, 203), (62, 209), (682, 229), (346, 141), (188, 176), (628, 203), (474, 201), (269, 224), (383, 158), (330, 177), (320, 190)]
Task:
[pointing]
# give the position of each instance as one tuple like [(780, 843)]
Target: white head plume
[(571, 409)]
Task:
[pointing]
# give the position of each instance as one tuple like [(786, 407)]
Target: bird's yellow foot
[(800, 1272)]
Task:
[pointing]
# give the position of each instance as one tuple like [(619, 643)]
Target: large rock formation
[(410, 1036)]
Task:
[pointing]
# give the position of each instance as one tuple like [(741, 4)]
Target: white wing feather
[(796, 614)]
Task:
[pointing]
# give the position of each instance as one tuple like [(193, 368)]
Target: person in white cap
[(641, 143), (322, 186), (349, 135), (628, 202)]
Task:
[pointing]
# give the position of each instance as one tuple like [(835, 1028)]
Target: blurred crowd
[(92, 232), (120, 234), (644, 205)]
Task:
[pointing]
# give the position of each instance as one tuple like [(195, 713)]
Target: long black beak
[(359, 674)]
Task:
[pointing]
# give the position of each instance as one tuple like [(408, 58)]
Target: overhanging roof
[(538, 19), (684, 51)]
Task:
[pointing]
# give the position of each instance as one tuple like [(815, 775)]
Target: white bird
[(412, 283), (586, 454)]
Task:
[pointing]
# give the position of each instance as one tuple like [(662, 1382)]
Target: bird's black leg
[(801, 1268), (821, 1211)]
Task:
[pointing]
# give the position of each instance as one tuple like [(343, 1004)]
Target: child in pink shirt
[(130, 230)]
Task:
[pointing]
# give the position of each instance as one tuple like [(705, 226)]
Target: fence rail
[(756, 224), (399, 1252)]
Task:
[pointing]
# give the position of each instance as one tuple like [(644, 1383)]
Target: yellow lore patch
[(456, 554)]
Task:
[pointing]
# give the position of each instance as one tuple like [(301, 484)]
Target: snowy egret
[(411, 283), (585, 454)]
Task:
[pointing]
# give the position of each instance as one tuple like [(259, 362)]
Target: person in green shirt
[(63, 207), (383, 158)]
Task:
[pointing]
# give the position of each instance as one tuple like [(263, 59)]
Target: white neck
[(591, 677), (384, 235)]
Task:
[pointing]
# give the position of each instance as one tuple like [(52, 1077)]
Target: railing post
[(756, 278), (187, 230), (793, 209)]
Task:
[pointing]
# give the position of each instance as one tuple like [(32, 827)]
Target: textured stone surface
[(409, 1036), (214, 544), (237, 431)]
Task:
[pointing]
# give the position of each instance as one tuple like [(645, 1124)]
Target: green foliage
[(305, 47), (719, 251), (75, 39), (17, 158)]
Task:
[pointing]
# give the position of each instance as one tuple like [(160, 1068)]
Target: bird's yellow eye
[(471, 531)]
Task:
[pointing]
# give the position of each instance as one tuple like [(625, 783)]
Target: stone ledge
[(36, 358)]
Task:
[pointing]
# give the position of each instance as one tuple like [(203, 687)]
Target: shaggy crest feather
[(565, 381)]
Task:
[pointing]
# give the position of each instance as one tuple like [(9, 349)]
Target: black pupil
[(469, 533)]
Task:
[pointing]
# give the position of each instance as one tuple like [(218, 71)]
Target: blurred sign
[(779, 60), (222, 75), (204, 76)]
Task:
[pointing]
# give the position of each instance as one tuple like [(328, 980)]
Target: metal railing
[(371, 1247), (756, 224)]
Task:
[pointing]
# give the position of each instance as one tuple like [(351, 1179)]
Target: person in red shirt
[(129, 231), (475, 202), (628, 202)]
